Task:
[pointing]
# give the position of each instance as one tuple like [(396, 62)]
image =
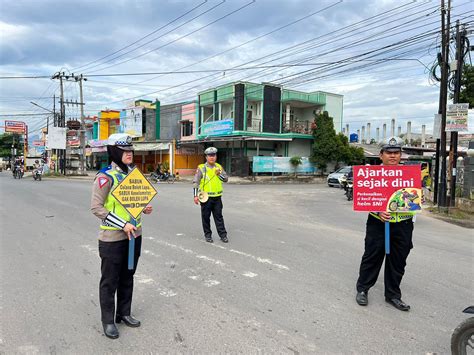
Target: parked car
[(333, 179)]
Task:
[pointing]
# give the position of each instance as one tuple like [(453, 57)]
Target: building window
[(187, 129)]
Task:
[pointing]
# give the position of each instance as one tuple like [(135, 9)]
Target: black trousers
[(116, 278), (374, 254), (213, 205)]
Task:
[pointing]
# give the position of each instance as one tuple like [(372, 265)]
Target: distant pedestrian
[(115, 231), (208, 184), (401, 230)]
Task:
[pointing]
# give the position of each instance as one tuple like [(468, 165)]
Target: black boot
[(128, 320), (110, 330)]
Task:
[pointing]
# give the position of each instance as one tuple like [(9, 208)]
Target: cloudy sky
[(377, 53)]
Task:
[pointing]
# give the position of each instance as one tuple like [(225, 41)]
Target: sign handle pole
[(387, 238), (131, 247)]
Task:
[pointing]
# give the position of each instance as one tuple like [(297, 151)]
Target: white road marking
[(179, 234), (260, 260), (201, 257), (210, 283), (149, 252), (249, 274), (194, 277), (90, 248)]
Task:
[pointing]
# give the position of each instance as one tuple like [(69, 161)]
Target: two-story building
[(244, 120)]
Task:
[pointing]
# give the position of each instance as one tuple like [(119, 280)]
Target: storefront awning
[(150, 147)]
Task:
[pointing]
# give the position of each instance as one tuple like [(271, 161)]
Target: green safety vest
[(112, 205), (210, 182), (396, 216)]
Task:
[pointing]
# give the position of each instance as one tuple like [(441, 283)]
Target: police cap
[(391, 144), (210, 150)]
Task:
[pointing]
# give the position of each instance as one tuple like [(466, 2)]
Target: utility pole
[(453, 151), (62, 123), (445, 30), (83, 128)]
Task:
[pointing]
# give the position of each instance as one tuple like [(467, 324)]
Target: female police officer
[(115, 230)]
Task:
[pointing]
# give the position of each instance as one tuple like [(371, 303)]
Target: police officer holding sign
[(115, 231), (207, 188), (401, 230)]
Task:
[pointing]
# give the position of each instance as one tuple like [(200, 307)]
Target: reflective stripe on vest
[(395, 216), (112, 205), (210, 182)]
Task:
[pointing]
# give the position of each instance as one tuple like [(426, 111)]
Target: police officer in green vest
[(401, 230), (207, 190), (115, 231)]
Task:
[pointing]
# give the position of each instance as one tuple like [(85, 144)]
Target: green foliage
[(295, 162), (325, 143), (6, 141), (467, 86), (329, 146), (149, 168), (165, 166)]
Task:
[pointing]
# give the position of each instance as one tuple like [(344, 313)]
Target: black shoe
[(398, 304), (361, 299), (225, 240), (209, 240), (128, 320), (110, 330)]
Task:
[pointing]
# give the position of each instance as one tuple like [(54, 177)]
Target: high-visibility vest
[(396, 216), (111, 204), (210, 182)]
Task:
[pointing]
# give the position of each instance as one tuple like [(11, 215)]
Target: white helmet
[(120, 140)]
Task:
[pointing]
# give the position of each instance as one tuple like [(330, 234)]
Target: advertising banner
[(217, 128), (456, 117), (56, 138), (280, 165), (14, 126), (131, 121), (387, 188)]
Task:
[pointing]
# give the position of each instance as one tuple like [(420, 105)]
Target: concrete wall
[(334, 105), (169, 122), (188, 112), (300, 147)]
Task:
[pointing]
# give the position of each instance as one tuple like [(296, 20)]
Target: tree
[(295, 162), (467, 86), (325, 142), (6, 142), (329, 146)]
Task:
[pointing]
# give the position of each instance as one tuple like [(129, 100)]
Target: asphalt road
[(284, 284)]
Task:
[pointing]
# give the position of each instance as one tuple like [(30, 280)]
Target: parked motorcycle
[(169, 178), (462, 339)]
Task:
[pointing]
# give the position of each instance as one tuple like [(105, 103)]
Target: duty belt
[(395, 216), (214, 193)]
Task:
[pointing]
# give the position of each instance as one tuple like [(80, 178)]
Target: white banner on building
[(56, 138), (456, 118), (131, 121)]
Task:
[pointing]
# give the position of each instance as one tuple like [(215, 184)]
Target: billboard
[(56, 138), (381, 188), (14, 126), (280, 165), (218, 128), (131, 121)]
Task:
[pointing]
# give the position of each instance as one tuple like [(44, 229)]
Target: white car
[(334, 178)]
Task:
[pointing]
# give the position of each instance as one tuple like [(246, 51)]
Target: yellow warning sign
[(134, 192)]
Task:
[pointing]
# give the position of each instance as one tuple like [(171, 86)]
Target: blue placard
[(217, 128), (281, 165)]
